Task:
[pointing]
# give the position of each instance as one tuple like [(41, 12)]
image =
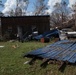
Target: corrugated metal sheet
[(48, 34), (63, 50)]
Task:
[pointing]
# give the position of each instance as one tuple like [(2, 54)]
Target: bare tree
[(40, 7), (59, 15), (20, 9), (1, 3), (11, 12), (74, 10), (23, 4)]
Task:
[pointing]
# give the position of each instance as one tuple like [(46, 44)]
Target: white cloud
[(10, 4), (51, 3), (71, 2), (29, 13)]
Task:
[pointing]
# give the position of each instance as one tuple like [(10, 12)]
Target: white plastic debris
[(26, 62), (1, 46)]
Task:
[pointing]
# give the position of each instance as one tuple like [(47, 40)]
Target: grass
[(12, 61)]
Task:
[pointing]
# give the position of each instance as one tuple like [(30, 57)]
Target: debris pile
[(62, 52)]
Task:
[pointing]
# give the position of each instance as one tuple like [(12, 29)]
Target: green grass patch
[(12, 61)]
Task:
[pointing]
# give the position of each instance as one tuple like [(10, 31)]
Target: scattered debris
[(48, 34), (61, 52), (26, 62), (15, 46), (63, 36), (12, 41), (1, 46)]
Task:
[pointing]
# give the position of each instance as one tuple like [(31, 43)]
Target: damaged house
[(11, 26)]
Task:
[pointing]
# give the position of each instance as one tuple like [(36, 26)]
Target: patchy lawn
[(12, 61)]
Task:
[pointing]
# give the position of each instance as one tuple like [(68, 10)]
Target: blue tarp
[(47, 34), (64, 50)]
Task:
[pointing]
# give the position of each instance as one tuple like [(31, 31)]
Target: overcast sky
[(12, 3)]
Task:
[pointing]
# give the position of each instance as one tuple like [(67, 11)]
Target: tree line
[(60, 15)]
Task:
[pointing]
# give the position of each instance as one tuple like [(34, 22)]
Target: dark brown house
[(24, 24)]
